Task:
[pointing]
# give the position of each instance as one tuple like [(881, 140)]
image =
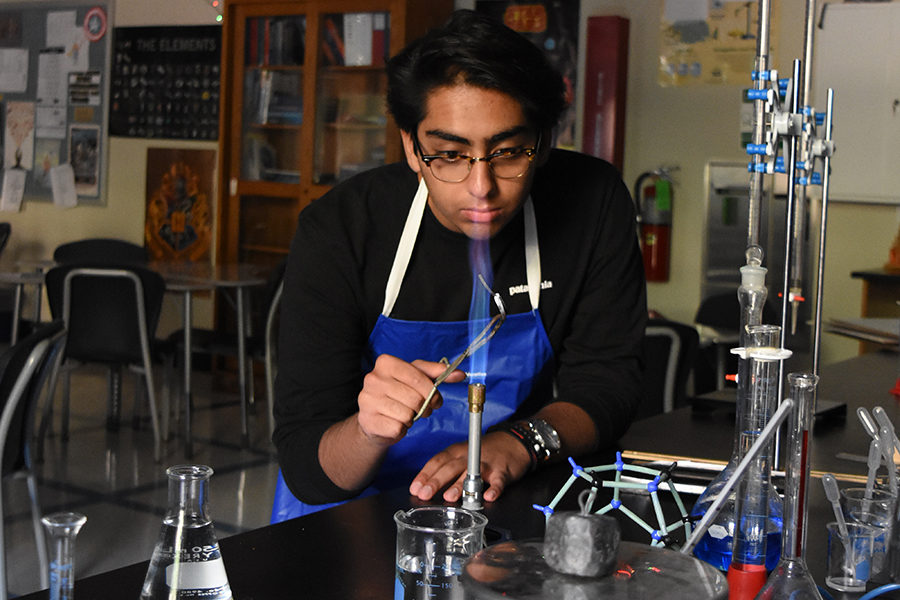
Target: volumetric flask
[(61, 529), (433, 543), (186, 562)]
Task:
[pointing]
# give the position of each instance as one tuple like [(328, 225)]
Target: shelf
[(271, 126), (355, 126), (264, 249), (291, 68), (274, 189)]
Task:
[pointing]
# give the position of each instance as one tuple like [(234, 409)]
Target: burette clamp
[(763, 353)]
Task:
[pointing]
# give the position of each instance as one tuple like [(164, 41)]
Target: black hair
[(477, 50)]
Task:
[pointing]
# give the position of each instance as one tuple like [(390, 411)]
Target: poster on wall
[(178, 224), (165, 82), (84, 156), (552, 25), (710, 42), (19, 135)]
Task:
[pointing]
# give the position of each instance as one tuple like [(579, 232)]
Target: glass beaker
[(61, 529), (433, 543), (186, 561)]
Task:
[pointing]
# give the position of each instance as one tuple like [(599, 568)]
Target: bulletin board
[(54, 72)]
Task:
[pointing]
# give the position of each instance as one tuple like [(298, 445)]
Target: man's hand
[(503, 460), (392, 394)]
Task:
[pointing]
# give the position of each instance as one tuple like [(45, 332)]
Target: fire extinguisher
[(653, 196)]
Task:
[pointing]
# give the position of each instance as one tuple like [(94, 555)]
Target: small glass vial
[(186, 562), (61, 529)]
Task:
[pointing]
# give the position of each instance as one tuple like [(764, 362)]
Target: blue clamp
[(815, 179), (820, 118), (544, 509), (757, 148), (754, 94), (783, 83)]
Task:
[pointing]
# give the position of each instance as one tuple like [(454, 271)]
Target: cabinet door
[(857, 55), (272, 98), (351, 122)]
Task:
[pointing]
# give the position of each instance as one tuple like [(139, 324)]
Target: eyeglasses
[(453, 167), (480, 340)]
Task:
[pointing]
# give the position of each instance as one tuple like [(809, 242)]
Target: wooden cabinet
[(303, 108)]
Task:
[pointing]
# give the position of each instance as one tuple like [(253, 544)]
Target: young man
[(378, 288)]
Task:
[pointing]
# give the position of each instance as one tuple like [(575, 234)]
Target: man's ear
[(544, 150), (409, 148)]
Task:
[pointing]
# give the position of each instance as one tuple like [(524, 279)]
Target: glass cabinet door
[(272, 98), (350, 95)]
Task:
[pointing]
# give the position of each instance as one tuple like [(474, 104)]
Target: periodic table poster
[(165, 82)]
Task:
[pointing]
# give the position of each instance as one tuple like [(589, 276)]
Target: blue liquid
[(717, 552)]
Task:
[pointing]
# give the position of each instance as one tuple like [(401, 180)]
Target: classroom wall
[(40, 226), (686, 126)]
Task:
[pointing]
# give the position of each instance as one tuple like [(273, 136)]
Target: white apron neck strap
[(408, 241), (532, 255), (405, 248)]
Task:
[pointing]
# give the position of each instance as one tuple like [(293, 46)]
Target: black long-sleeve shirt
[(592, 302)]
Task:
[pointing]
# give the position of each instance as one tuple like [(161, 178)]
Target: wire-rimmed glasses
[(480, 340), (453, 167)]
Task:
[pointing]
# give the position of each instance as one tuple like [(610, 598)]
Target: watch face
[(548, 434)]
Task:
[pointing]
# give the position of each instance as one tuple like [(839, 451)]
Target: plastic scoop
[(831, 492), (887, 451), (885, 422), (873, 462), (868, 422)]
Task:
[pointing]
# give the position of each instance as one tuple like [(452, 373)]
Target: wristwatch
[(545, 438), (538, 436)]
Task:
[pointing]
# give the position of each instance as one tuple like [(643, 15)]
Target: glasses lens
[(510, 166), (450, 170)]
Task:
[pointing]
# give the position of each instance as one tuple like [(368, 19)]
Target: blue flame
[(480, 307)]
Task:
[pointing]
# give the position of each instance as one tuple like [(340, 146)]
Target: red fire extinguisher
[(653, 196)]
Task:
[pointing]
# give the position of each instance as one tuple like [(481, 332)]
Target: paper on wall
[(13, 70), (62, 181), (13, 190)]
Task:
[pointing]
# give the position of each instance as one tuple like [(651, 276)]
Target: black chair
[(100, 251), (259, 345), (111, 314), (5, 231), (719, 319), (24, 369), (669, 351)]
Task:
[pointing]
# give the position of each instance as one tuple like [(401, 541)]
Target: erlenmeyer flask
[(186, 562)]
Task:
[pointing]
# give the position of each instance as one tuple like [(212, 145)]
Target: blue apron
[(516, 356)]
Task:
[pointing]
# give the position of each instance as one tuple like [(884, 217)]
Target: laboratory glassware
[(433, 543), (186, 561), (715, 546), (849, 556), (747, 571), (61, 529), (791, 580)]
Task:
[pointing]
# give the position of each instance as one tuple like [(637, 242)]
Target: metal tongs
[(480, 340)]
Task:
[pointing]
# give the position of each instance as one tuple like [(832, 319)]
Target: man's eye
[(451, 156)]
